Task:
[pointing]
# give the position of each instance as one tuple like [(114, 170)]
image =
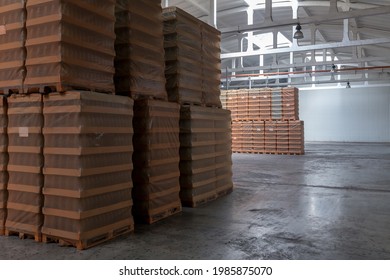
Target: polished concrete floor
[(332, 203)]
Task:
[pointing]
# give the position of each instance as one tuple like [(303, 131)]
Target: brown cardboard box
[(156, 160), (3, 164), (258, 137), (139, 45), (70, 45), (12, 40), (270, 137), (25, 122), (88, 151), (296, 137), (282, 137)]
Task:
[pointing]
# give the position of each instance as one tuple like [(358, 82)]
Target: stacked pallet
[(211, 65), (88, 150), (261, 120), (205, 154), (296, 134), (70, 45), (183, 60), (24, 206), (192, 59), (3, 164), (156, 160), (139, 47), (12, 39)]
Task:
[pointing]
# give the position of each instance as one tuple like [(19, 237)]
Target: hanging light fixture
[(348, 85), (298, 33)]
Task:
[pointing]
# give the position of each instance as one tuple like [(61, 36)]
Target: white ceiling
[(322, 24)]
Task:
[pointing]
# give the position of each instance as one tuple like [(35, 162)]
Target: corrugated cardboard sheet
[(25, 122), (88, 151), (70, 44), (156, 160), (12, 38), (139, 49), (205, 154)]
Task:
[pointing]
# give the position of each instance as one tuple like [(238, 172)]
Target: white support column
[(213, 13), (313, 30), (346, 31), (166, 3), (250, 13)]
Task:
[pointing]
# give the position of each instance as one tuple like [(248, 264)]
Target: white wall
[(346, 115)]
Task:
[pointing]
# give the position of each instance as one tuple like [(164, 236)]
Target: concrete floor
[(332, 203)]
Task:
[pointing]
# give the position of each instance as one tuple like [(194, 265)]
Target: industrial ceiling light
[(298, 33), (348, 85)]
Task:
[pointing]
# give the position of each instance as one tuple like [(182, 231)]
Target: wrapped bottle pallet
[(211, 65), (156, 160), (70, 45), (12, 40), (282, 137), (258, 137), (88, 151), (290, 101), (197, 156), (3, 164), (139, 46), (270, 135), (205, 154), (223, 150), (183, 60), (24, 206), (297, 137)]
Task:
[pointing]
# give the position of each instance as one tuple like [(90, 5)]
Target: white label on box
[(23, 132), (3, 30), (271, 129)]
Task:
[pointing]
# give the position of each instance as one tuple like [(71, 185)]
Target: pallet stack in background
[(87, 171), (12, 40), (3, 163), (139, 47), (265, 120), (70, 44), (24, 206), (192, 58)]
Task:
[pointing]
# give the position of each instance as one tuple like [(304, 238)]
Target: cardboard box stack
[(3, 164), (205, 154), (211, 65), (156, 160), (192, 58), (70, 45), (24, 206), (12, 40), (88, 151), (261, 120), (139, 49), (183, 60)]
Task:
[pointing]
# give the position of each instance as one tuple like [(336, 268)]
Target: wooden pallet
[(61, 88), (224, 192), (137, 96), (37, 236), (159, 216), (91, 242), (196, 202)]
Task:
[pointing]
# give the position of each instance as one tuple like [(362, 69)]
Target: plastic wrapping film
[(258, 136), (205, 153), (3, 163), (296, 137), (139, 46), (88, 151), (156, 160), (80, 52), (25, 121), (12, 38), (282, 137)]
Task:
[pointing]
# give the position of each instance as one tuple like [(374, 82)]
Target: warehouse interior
[(328, 200)]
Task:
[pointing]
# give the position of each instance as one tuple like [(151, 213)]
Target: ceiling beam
[(308, 48), (308, 20)]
